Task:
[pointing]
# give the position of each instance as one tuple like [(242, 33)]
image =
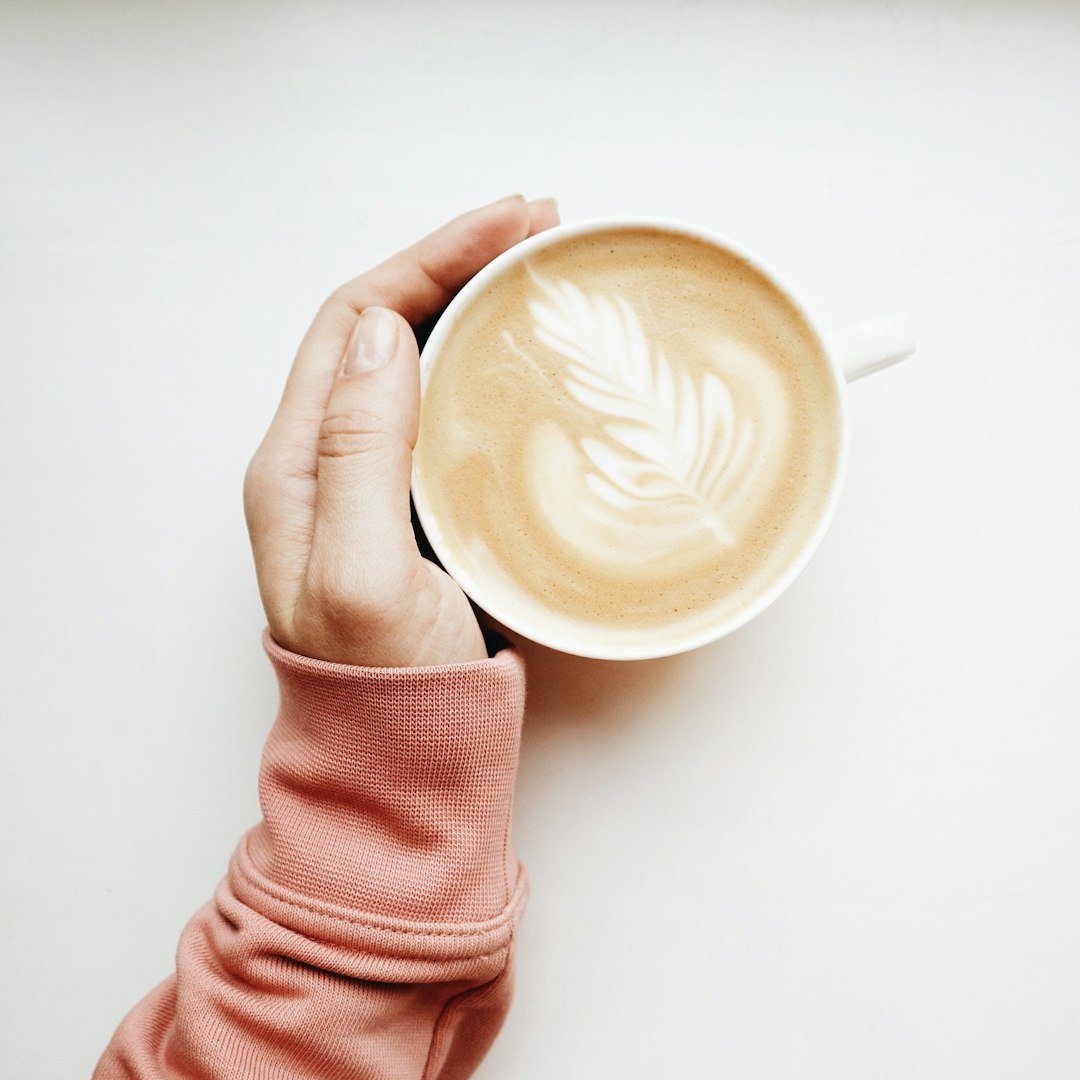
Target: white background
[(843, 843)]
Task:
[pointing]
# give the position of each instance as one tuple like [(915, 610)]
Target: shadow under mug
[(852, 352)]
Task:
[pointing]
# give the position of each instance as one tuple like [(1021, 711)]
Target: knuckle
[(337, 310), (351, 297), (256, 479), (273, 471), (340, 300), (351, 432), (263, 473)]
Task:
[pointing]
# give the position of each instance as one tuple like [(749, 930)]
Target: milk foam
[(631, 434)]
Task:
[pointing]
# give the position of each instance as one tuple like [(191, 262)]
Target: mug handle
[(873, 345)]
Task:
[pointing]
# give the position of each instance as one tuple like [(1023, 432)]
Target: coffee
[(628, 437)]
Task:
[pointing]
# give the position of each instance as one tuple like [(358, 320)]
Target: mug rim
[(566, 643)]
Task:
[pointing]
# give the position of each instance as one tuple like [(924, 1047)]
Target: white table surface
[(843, 843)]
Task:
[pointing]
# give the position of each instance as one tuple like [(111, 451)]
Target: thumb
[(363, 536)]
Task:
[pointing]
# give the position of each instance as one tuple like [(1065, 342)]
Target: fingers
[(543, 214), (362, 544), (422, 279), (417, 283)]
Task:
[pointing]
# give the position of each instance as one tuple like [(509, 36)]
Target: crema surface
[(627, 438)]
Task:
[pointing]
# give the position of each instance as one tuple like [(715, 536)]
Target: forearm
[(365, 926)]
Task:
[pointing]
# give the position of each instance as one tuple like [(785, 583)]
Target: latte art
[(628, 434), (673, 446)]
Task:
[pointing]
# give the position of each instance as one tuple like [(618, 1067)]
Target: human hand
[(326, 495)]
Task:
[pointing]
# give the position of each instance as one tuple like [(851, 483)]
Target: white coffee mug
[(852, 353)]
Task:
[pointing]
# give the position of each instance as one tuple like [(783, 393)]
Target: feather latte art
[(628, 436)]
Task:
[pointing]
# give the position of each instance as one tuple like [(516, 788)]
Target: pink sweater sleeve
[(365, 925)]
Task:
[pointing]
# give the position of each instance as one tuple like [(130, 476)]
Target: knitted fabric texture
[(365, 926)]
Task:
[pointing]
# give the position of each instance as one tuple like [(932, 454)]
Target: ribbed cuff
[(387, 792)]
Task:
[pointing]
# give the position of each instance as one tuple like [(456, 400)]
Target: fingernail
[(548, 201), (512, 198), (373, 342)]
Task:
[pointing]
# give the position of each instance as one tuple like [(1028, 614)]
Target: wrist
[(426, 621)]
